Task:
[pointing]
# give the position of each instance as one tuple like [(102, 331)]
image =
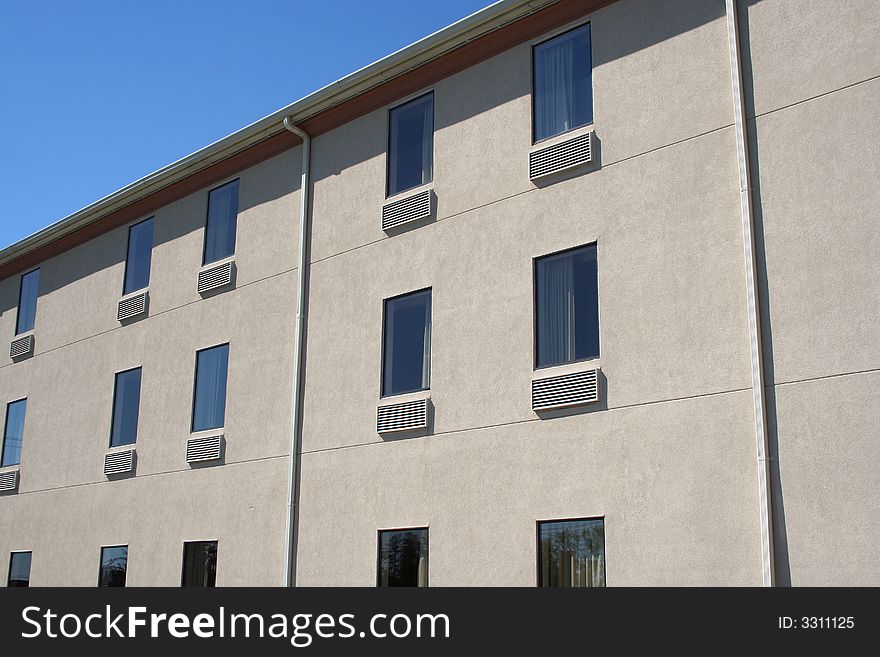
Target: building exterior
[(492, 342)]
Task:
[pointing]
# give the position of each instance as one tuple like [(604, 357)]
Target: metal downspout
[(295, 409), (748, 225)]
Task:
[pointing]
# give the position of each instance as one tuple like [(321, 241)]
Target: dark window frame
[(390, 111), (113, 407), (236, 180), (382, 393), (9, 570), (195, 379), (36, 299), (424, 528), (6, 430), (535, 260), (538, 524), (128, 253), (216, 543), (554, 35), (101, 564)]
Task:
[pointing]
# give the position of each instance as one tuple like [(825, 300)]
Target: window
[(27, 302), (403, 558), (571, 553), (407, 348), (411, 144), (19, 569), (114, 564), (137, 262), (567, 307), (126, 403), (209, 402), (199, 564), (222, 217), (563, 93), (13, 433)]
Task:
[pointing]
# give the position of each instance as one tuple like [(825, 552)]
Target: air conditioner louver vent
[(403, 417), (119, 462), (207, 448), (215, 277), (559, 157), (9, 480), (131, 306), (566, 390), (411, 208), (22, 346)]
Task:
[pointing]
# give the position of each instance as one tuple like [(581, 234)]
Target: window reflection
[(221, 224), (114, 565), (199, 564), (403, 558), (411, 145), (571, 553)]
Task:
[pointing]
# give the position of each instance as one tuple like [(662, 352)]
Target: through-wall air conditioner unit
[(215, 276), (407, 210), (23, 346), (8, 480), (562, 156), (565, 390), (131, 306), (119, 462), (404, 416), (205, 448)]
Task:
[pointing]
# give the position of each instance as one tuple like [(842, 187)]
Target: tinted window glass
[(222, 217), (19, 569), (209, 405), (403, 558), (407, 366), (411, 144), (137, 262), (126, 403), (567, 314), (563, 94), (199, 564), (27, 302), (13, 433), (571, 553), (114, 564)]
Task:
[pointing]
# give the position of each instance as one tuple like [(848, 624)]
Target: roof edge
[(361, 81)]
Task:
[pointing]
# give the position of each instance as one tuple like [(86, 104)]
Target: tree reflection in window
[(403, 558), (571, 553)]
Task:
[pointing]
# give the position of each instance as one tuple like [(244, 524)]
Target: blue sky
[(99, 93)]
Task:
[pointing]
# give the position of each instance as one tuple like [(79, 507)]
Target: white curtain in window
[(581, 570), (222, 215), (210, 406), (407, 344), (423, 571), (554, 93), (428, 140), (426, 355), (214, 399), (411, 153), (556, 310)]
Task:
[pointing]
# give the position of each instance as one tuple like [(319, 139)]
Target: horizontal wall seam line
[(521, 193), (530, 420), (823, 377), (807, 100), (137, 476), (151, 316)]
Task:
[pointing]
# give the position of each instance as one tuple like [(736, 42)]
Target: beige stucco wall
[(65, 508), (667, 456), (815, 68)]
